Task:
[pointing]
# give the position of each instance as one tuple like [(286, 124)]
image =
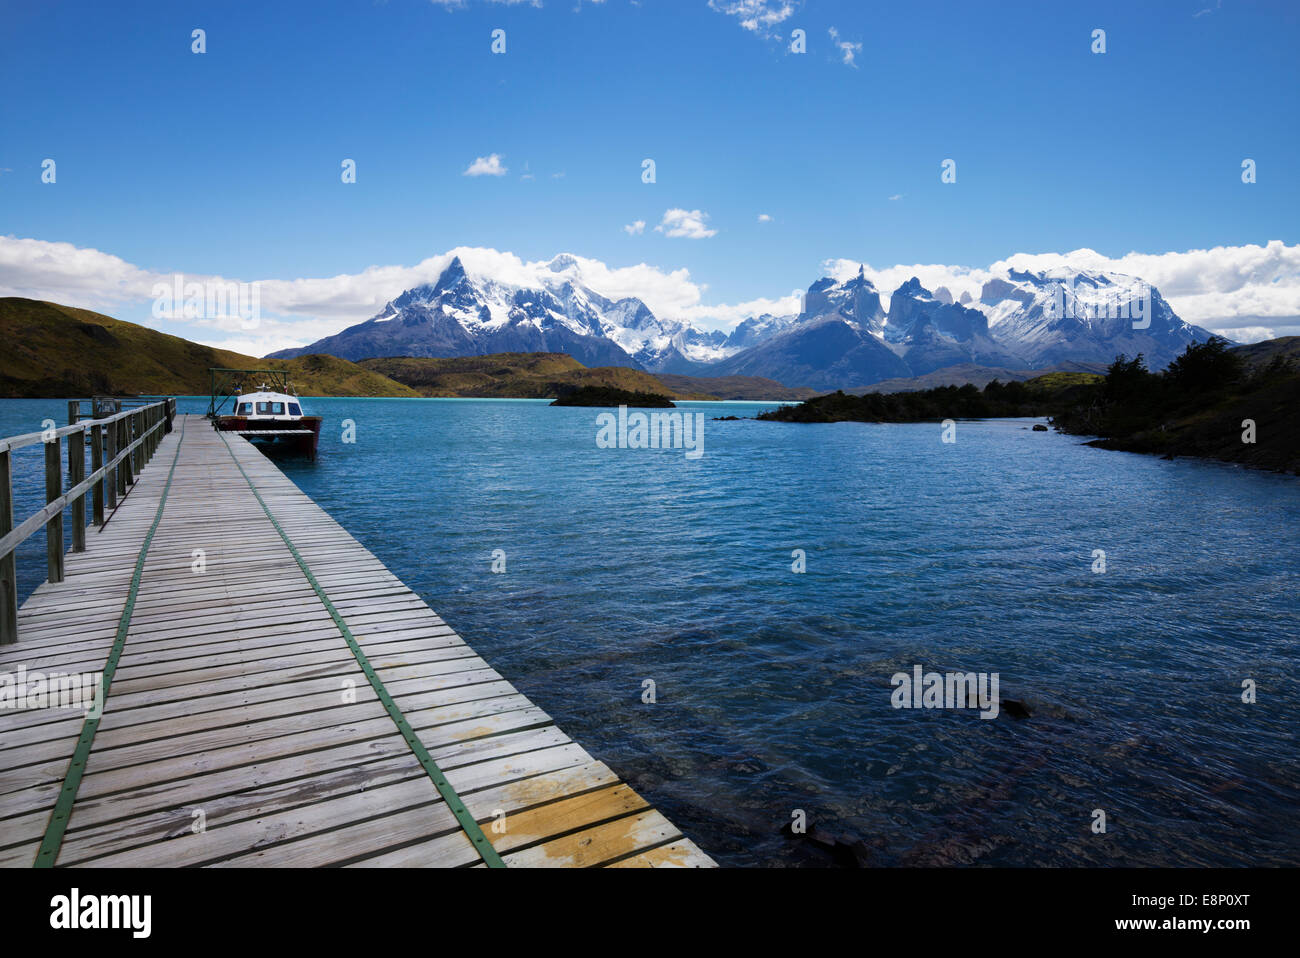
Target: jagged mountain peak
[(913, 289), (860, 281), (564, 262), (484, 302)]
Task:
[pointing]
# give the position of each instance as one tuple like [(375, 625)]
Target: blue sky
[(228, 163)]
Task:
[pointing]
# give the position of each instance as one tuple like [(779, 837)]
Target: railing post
[(110, 453), (54, 528), (132, 432), (97, 463), (8, 566), (124, 475), (77, 473), (138, 419)]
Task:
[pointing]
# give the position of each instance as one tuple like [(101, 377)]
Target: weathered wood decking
[(240, 728)]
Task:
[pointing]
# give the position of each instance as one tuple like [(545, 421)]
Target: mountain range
[(843, 337)]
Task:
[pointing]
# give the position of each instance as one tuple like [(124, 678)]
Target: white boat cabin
[(268, 405)]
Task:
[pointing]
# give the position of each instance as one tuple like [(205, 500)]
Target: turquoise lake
[(773, 687)]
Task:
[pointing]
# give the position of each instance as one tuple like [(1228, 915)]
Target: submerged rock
[(1014, 707), (844, 850)]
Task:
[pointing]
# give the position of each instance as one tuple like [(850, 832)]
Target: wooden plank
[(599, 845), (683, 853)]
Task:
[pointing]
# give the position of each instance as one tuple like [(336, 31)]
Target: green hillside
[(1053, 381), (1261, 354), (515, 375), (979, 376), (52, 350), (735, 387)]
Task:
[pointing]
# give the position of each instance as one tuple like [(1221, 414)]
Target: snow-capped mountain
[(1063, 314), (929, 331), (836, 340), (473, 315), (842, 338), (755, 329), (469, 313)]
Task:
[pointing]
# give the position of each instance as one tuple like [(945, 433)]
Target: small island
[(611, 396)]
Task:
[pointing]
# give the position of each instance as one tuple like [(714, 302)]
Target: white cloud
[(489, 165), (635, 228), (728, 315), (1251, 334), (1244, 292), (64, 273), (896, 197), (848, 50), (296, 312), (756, 16), (764, 218), (685, 223)]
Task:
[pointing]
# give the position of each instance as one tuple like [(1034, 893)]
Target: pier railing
[(120, 444)]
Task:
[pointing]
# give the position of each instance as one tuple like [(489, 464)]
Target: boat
[(270, 415)]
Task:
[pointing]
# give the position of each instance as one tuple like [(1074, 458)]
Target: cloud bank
[(1247, 293)]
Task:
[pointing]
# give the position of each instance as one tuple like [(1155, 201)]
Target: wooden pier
[(276, 696)]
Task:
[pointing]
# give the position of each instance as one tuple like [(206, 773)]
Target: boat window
[(271, 408), (295, 409), (245, 408)]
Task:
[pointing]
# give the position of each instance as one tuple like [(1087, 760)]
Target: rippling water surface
[(774, 687)]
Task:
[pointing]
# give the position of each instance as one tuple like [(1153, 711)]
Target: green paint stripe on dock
[(467, 821), (52, 841)]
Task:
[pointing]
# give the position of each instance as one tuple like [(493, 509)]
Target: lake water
[(773, 687)]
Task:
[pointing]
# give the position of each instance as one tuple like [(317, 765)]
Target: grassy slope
[(515, 375), (734, 387), (54, 350), (964, 373), (1052, 381), (1259, 354)]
